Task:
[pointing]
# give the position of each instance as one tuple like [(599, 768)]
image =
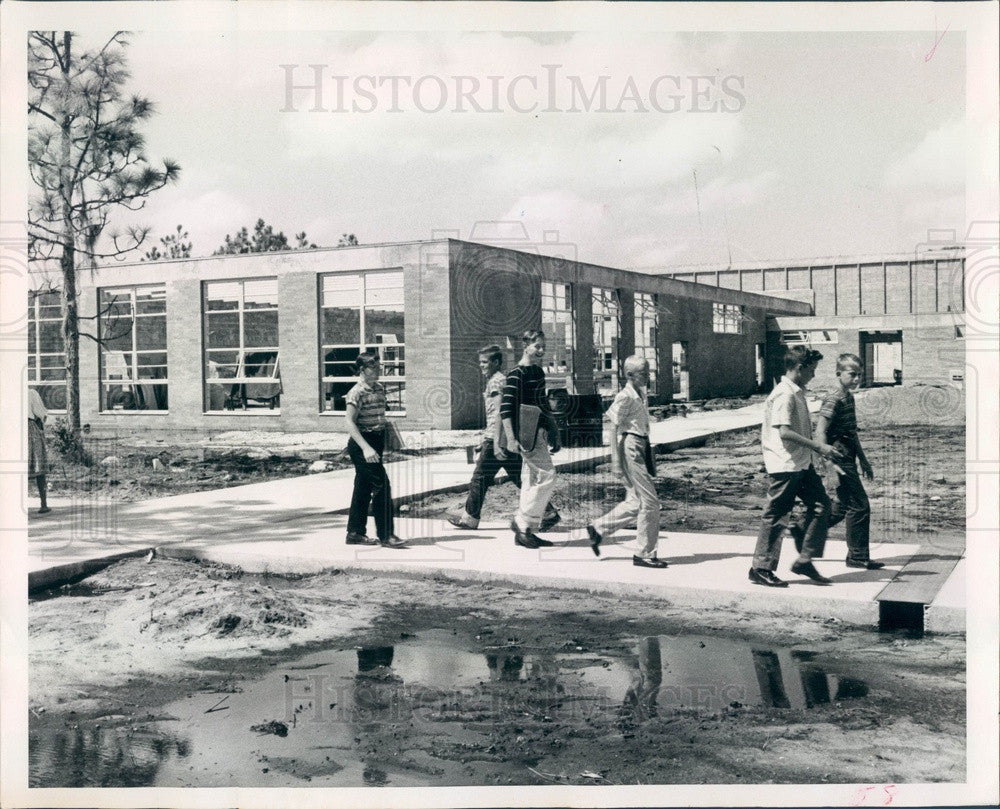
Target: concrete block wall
[(930, 349), (872, 287), (458, 297)]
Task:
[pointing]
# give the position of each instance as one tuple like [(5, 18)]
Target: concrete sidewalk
[(298, 525), (82, 528)]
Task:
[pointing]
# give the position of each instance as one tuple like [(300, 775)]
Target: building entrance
[(882, 352)]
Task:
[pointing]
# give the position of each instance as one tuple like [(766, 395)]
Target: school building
[(903, 315), (268, 340)]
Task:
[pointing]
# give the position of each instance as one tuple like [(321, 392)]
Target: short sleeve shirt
[(491, 396), (370, 402), (628, 412), (838, 409), (785, 406)]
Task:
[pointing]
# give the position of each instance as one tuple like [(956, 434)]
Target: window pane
[(220, 295), (260, 328), (222, 364), (150, 333), (53, 396), (50, 336), (395, 396), (383, 296), (384, 325), (224, 330), (261, 294), (341, 290), (151, 300), (341, 325), (51, 374), (32, 337), (334, 394)]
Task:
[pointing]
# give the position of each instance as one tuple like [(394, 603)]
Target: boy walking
[(367, 425), (632, 460), (525, 386), (788, 446), (491, 460), (838, 425)]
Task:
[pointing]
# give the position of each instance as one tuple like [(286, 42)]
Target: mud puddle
[(434, 709)]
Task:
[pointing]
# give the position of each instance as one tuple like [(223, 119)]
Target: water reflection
[(357, 716), (97, 756)]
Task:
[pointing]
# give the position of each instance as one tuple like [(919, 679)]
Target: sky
[(799, 145)]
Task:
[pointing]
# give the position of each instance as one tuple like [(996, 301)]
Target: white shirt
[(36, 408), (628, 412), (785, 406)]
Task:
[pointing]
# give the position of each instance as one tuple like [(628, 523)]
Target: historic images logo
[(321, 88)]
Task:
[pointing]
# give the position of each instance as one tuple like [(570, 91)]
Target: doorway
[(882, 352), (682, 378), (760, 364)]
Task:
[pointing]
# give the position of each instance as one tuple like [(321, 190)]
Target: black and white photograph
[(484, 404)]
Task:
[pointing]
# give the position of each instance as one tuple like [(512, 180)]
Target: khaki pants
[(641, 502), (538, 479)]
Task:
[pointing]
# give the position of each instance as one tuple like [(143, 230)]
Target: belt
[(637, 435)]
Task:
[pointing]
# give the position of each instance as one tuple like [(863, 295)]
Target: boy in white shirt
[(632, 459)]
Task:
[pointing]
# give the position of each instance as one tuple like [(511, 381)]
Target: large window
[(359, 311), (607, 330), (646, 324), (46, 351), (559, 327), (727, 318), (241, 345), (133, 338)]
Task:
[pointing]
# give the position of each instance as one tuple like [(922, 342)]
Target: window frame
[(34, 305), (727, 318), (550, 314), (646, 309), (241, 350), (606, 359), (382, 348), (134, 379)]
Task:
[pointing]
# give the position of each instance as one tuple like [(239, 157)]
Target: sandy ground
[(142, 635)]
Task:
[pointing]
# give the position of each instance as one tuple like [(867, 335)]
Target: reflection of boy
[(631, 458), (787, 444), (490, 462), (838, 425)]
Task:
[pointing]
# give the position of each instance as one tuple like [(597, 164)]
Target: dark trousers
[(371, 488), (785, 487), (485, 473), (853, 508)]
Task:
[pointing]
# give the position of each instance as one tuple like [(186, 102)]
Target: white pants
[(641, 502), (538, 479)]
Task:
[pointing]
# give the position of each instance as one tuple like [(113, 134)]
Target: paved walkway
[(298, 525)]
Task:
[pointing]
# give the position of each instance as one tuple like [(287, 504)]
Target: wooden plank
[(921, 578)]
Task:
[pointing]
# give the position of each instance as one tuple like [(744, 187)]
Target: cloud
[(938, 161), (718, 193)]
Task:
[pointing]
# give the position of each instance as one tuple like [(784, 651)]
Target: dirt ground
[(106, 660), (918, 492)]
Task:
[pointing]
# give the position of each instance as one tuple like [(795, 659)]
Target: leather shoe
[(809, 569), (550, 518), (595, 540), (360, 539), (392, 541), (798, 536), (462, 520), (528, 539), (867, 565), (641, 561), (759, 575)]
